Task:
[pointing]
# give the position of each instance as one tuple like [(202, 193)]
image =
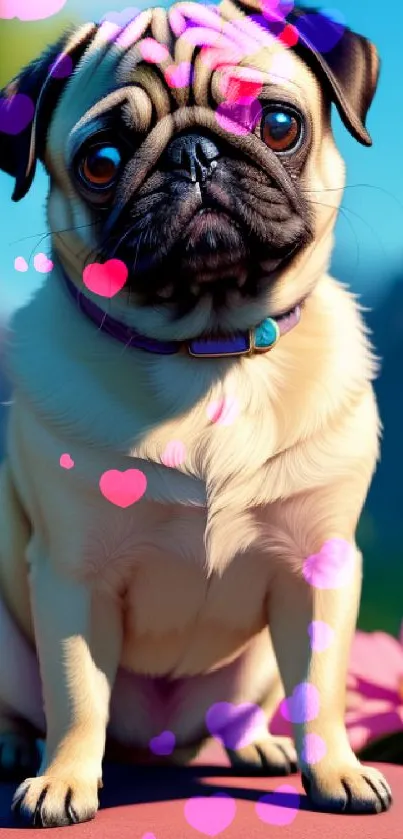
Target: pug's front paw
[(348, 789), (54, 801), (271, 756)]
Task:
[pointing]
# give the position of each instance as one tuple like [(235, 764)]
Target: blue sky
[(369, 249)]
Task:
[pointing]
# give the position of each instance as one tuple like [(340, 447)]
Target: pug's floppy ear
[(349, 71), (42, 83)]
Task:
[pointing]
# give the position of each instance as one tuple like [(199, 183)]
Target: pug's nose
[(193, 156)]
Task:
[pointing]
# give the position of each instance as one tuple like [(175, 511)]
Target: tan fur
[(185, 583)]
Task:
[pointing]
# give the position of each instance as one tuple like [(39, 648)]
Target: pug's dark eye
[(100, 166), (281, 130)]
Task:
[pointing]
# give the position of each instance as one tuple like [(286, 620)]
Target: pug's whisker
[(95, 255), (118, 244), (54, 232), (134, 266), (344, 215), (341, 211), (321, 191), (356, 186), (76, 254), (344, 210), (50, 234), (35, 248), (101, 325)]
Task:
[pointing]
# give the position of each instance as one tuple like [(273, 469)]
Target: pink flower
[(374, 689)]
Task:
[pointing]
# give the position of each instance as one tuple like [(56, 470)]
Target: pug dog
[(194, 429)]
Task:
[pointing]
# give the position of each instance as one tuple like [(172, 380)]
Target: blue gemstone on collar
[(266, 334)]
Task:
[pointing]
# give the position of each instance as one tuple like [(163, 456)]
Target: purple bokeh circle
[(16, 113), (323, 30), (62, 67)]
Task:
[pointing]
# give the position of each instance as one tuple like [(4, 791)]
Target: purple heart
[(16, 112), (322, 30), (239, 117), (236, 726), (303, 705), (279, 807), (121, 18), (164, 744)]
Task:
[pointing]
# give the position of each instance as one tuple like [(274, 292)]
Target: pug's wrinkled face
[(199, 154), (204, 217)]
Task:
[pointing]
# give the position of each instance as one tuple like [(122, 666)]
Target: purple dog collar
[(262, 339)]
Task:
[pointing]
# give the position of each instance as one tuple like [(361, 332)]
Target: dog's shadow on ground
[(130, 785)]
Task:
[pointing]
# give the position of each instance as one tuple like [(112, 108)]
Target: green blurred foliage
[(381, 601), (22, 42)]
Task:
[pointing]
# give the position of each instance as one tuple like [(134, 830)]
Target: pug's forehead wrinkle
[(97, 118), (111, 100), (134, 30), (150, 83), (137, 108), (120, 60)]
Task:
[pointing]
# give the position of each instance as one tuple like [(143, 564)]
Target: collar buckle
[(234, 347)]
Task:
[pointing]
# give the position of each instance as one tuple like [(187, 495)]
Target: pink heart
[(152, 51), (279, 807), (39, 10), (332, 567), (174, 454), (105, 279), (223, 411), (303, 705), (123, 488), (313, 749), (164, 744), (42, 263), (149, 836), (66, 462), (210, 815), (108, 31), (321, 635), (179, 75), (20, 264), (236, 726), (241, 88)]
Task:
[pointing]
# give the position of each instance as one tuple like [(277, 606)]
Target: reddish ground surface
[(159, 804)]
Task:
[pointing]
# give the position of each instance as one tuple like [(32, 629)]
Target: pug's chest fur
[(217, 446), (227, 438), (103, 410), (182, 613)]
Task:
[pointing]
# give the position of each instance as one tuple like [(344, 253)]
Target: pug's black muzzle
[(207, 222)]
